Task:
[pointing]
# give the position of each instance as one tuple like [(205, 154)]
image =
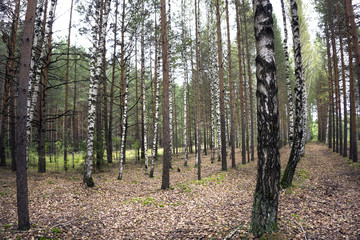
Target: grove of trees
[(174, 78)]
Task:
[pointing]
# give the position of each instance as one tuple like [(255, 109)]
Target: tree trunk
[(250, 89), (43, 88), (353, 140), (21, 137), (265, 205), (344, 150), (66, 131), (294, 158), (166, 131), (331, 107), (156, 112), (243, 142), (184, 60), (197, 51), (232, 121), (288, 83), (337, 88)]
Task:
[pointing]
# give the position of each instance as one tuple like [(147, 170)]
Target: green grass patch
[(217, 179), (304, 174), (56, 230), (3, 193)]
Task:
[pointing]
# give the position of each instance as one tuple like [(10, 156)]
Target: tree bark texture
[(265, 205)]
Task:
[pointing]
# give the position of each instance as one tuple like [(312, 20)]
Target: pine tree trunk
[(250, 89), (197, 51), (331, 107), (353, 154), (232, 121), (243, 142), (337, 88), (166, 131), (21, 137), (66, 132), (43, 87), (110, 128), (33, 87), (294, 158), (265, 205), (344, 152)]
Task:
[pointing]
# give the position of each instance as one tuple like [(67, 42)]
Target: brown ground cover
[(324, 202)]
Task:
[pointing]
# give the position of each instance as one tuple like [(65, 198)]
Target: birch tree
[(265, 205), (95, 71), (294, 158), (288, 83)]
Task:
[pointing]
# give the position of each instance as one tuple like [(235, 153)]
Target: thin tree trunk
[(353, 140), (21, 137), (294, 158), (265, 205), (232, 121), (42, 100), (110, 128), (183, 53), (156, 115), (197, 50), (331, 107), (243, 150), (166, 131), (337, 88), (288, 83), (66, 132), (252, 137), (344, 152)]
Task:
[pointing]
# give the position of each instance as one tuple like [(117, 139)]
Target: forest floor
[(324, 202)]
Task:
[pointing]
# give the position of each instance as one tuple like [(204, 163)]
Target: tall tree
[(66, 132), (344, 152), (156, 112), (241, 84), (21, 137), (265, 205), (197, 53), (288, 83), (232, 121), (250, 86), (166, 131), (46, 58), (222, 89), (183, 57), (10, 82), (353, 154), (294, 158)]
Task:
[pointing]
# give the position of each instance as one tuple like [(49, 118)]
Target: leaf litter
[(324, 202)]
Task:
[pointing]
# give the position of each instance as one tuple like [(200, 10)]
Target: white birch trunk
[(170, 81), (123, 134), (30, 108), (156, 123), (183, 52), (288, 84), (95, 71)]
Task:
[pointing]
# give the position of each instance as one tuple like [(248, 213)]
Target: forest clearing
[(323, 203)]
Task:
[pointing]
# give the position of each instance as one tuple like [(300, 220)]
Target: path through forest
[(323, 204)]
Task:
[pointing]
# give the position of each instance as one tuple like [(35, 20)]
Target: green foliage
[(3, 193), (303, 173), (56, 230), (218, 178)]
